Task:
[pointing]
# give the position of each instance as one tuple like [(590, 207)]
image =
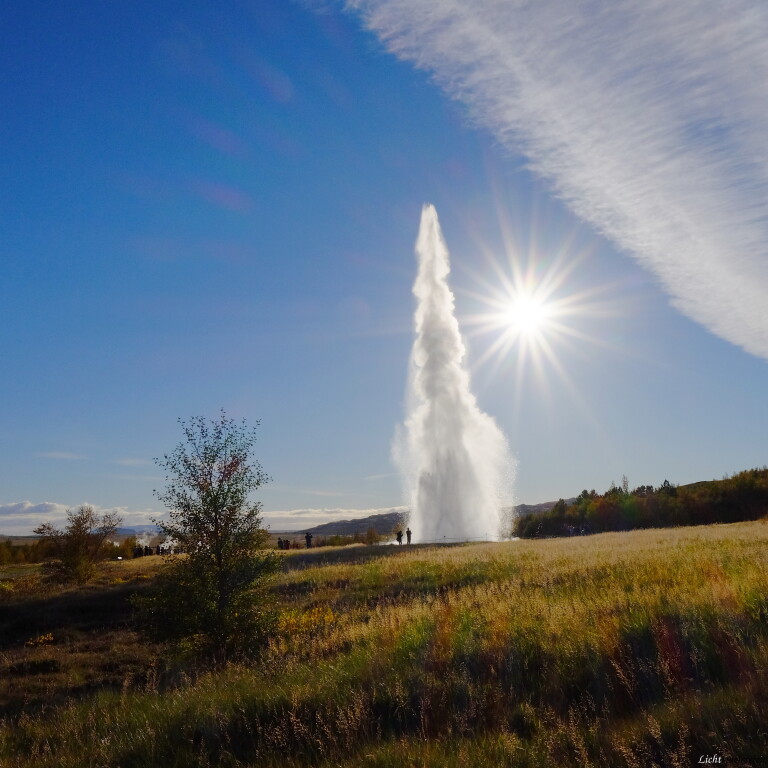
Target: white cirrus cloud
[(646, 116)]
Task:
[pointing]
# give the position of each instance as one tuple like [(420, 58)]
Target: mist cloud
[(647, 117)]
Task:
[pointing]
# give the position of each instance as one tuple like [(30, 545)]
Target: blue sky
[(210, 206)]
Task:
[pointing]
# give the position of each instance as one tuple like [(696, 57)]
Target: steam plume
[(454, 460)]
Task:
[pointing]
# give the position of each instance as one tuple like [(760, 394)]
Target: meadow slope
[(646, 648)]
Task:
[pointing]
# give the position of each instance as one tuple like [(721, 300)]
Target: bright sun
[(528, 314), (531, 308)]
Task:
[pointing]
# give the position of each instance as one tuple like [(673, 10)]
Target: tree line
[(34, 552), (44, 549), (742, 497)]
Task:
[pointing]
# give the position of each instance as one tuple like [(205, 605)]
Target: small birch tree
[(214, 599)]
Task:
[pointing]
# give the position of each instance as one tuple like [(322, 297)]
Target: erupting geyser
[(454, 459)]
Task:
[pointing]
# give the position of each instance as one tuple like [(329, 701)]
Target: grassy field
[(647, 648)]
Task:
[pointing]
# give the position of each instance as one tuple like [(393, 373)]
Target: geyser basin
[(454, 459)]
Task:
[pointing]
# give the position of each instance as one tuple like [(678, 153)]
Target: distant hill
[(545, 506), (385, 523), (134, 530)]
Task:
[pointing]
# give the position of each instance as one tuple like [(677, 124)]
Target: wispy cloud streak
[(128, 462), (647, 117), (60, 455)]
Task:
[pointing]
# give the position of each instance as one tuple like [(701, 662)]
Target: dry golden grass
[(627, 649)]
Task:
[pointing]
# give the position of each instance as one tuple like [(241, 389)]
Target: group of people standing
[(288, 544), (400, 536), (285, 544)]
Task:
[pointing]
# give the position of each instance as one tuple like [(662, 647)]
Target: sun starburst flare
[(533, 316), (534, 308)]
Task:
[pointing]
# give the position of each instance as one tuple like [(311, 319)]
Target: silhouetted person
[(158, 551), (280, 544), (138, 551), (147, 550), (408, 534), (399, 537), (308, 537)]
